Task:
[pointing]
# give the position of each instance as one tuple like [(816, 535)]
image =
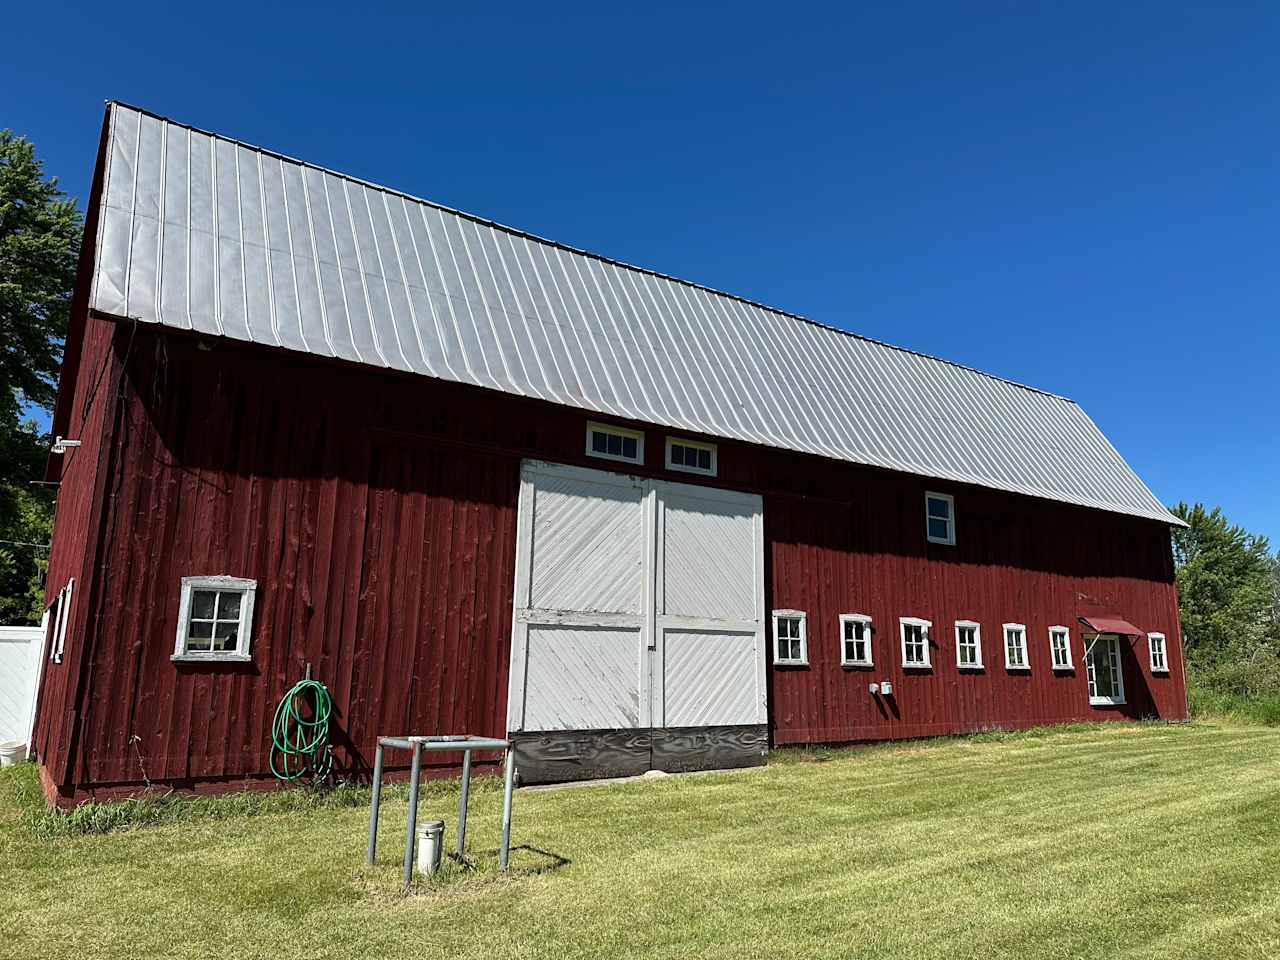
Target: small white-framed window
[(1159, 654), (59, 620), (691, 456), (1060, 648), (215, 618), (614, 443), (790, 644), (855, 640), (1015, 647), (940, 518), (915, 641), (968, 645)]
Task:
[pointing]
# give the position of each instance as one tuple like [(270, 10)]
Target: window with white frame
[(1159, 657), (614, 443), (215, 618), (940, 518), (915, 641), (789, 643), (1015, 647), (691, 456), (855, 640), (1060, 648), (968, 645), (59, 620)]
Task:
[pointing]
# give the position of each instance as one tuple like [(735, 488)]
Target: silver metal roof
[(200, 232)]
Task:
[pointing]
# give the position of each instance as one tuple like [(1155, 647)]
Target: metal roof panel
[(207, 233)]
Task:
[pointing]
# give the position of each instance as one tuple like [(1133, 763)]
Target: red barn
[(479, 481)]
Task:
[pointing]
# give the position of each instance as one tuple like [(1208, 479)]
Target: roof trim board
[(206, 233)]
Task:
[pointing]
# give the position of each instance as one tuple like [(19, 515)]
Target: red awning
[(1111, 624)]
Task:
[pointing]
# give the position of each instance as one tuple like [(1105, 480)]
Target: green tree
[(1227, 581), (40, 230), (1275, 598)]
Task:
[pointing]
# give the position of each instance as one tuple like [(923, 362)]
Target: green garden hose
[(300, 733)]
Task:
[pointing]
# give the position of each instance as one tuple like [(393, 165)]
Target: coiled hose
[(300, 733)]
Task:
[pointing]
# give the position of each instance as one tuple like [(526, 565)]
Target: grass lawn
[(1118, 841)]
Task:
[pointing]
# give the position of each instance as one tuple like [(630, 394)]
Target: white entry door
[(638, 604), (1106, 675)]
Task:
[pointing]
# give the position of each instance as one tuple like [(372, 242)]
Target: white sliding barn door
[(709, 608), (638, 604)]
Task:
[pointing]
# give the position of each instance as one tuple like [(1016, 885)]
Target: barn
[(476, 481)]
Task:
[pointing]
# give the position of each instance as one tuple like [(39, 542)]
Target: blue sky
[(1082, 198)]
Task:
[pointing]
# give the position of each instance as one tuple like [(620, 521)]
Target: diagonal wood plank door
[(639, 604)]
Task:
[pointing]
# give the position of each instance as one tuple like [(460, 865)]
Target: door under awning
[(1111, 624)]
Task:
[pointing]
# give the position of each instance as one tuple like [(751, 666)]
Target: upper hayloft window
[(615, 443), (940, 518), (690, 456), (215, 618)]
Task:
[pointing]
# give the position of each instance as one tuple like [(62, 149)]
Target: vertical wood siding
[(1015, 561), (85, 411), (383, 562), (377, 513)]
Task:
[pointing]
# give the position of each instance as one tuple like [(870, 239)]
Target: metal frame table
[(465, 744)]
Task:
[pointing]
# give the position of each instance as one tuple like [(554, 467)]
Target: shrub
[(1246, 690)]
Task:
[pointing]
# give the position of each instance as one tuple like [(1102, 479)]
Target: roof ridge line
[(516, 231)]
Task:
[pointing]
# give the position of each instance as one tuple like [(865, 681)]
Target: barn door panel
[(709, 678), (582, 678), (709, 608), (579, 634)]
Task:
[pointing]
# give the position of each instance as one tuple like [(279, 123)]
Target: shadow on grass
[(549, 861), (459, 876)]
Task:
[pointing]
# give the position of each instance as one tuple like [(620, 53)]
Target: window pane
[(228, 605), (629, 447), (202, 604), (599, 442), (677, 454), (224, 636), (939, 508), (199, 636), (938, 529), (615, 445), (704, 459)]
